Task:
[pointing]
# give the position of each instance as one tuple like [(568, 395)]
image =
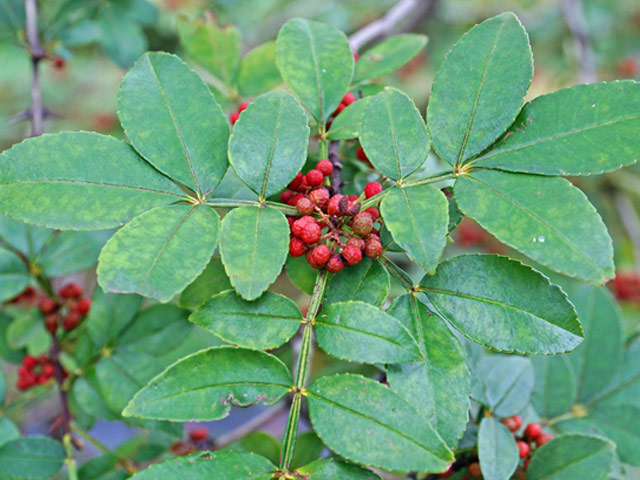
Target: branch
[(37, 54), (385, 25), (336, 180), (574, 16)]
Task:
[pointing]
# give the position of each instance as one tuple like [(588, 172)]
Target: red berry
[(48, 370), (293, 201), (340, 108), (352, 254), (314, 177), (518, 422), (373, 211), (83, 306), (356, 242), (29, 362), (286, 195), (361, 155), (448, 473), (234, 117), (335, 264), (526, 464), (348, 99), (362, 224), (47, 305), (474, 470), (22, 384), (311, 261), (320, 197), (199, 434), (51, 323), (533, 431), (373, 248), (71, 290), (71, 321), (523, 449), (42, 379), (296, 247), (311, 233), (298, 226), (58, 62), (372, 188), (356, 56), (325, 166), (242, 107), (321, 255), (304, 206), (295, 183), (333, 208), (544, 438)]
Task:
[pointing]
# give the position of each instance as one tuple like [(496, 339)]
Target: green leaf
[(546, 218), (376, 426), (86, 392), (8, 430), (504, 305), (216, 49), (555, 389), (260, 443), (103, 467), (258, 71), (3, 388), (624, 389), (254, 243), (569, 457), (160, 252), (28, 239), (27, 330), (221, 465), (316, 63), (308, 448), (205, 385), (367, 282), (599, 135), (14, 276), (109, 315), (393, 134), (347, 124), (479, 88), (173, 121), (599, 357), (508, 383), (79, 181), (301, 274), (622, 425), (327, 468), (211, 281), (31, 457), (417, 218), (263, 324), (388, 56), (360, 332), (438, 385), (268, 146), (70, 252), (497, 450), (121, 38)]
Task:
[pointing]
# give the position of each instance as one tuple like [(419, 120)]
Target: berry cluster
[(532, 434), (198, 440), (347, 100), (233, 118), (340, 233), (626, 286), (68, 313), (35, 371)]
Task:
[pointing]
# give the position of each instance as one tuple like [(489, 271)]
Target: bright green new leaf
[(376, 426), (555, 389), (79, 181), (204, 385), (479, 88), (173, 121), (393, 134), (211, 281), (417, 218), (347, 124), (599, 357), (388, 56), (599, 134), (438, 385), (160, 252), (221, 465), (316, 63), (258, 72), (497, 450), (216, 49), (360, 332), (327, 468), (263, 324), (268, 146), (546, 218), (254, 243), (503, 304), (367, 282), (14, 275), (573, 456), (31, 457), (508, 383)]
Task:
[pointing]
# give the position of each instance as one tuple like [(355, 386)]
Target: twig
[(629, 218), (248, 427), (122, 460), (37, 54), (336, 181), (574, 16), (385, 25)]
